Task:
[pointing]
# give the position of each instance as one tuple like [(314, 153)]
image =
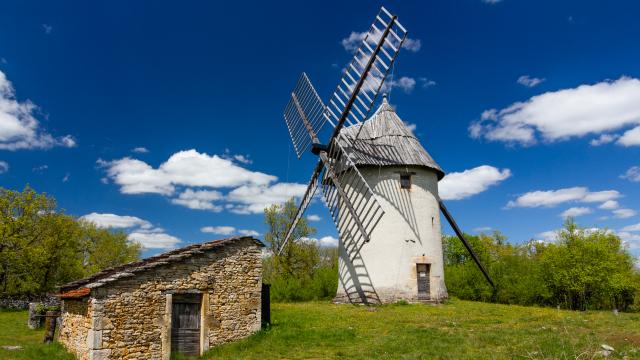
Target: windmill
[(390, 240)]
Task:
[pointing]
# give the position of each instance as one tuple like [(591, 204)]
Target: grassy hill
[(456, 330)]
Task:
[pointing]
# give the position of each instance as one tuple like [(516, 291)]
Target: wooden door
[(424, 289), (185, 324)]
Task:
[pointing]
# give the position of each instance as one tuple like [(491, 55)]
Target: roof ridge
[(174, 255)]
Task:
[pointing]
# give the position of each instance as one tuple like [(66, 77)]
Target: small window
[(405, 181)]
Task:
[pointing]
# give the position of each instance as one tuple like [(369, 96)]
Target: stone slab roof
[(75, 289), (385, 140)]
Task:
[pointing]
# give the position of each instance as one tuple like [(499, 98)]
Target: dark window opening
[(405, 181)]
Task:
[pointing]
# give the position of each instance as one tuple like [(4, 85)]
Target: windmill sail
[(363, 78), (304, 115)]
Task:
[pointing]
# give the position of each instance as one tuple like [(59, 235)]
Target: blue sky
[(165, 120)]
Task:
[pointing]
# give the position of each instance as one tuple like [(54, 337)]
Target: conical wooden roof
[(385, 140)]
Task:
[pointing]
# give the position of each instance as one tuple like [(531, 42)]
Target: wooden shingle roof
[(385, 140), (128, 270)]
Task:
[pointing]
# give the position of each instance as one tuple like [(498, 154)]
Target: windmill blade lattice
[(305, 115), (363, 78), (353, 205)]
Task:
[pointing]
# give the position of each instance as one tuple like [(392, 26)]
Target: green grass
[(14, 331), (456, 330)]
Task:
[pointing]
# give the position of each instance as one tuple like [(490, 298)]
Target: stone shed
[(186, 300)]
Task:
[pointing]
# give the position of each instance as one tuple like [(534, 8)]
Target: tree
[(42, 248)]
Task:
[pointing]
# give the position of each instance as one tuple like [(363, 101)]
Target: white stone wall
[(409, 233)]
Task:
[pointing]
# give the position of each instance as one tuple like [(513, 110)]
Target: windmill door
[(424, 289), (185, 324)]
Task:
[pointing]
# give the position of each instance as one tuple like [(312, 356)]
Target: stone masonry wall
[(76, 323), (129, 316)]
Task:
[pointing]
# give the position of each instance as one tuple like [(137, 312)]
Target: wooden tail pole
[(465, 242)]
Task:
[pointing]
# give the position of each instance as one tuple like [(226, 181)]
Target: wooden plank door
[(424, 288), (185, 324)]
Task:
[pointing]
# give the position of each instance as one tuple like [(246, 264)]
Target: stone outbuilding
[(186, 300)]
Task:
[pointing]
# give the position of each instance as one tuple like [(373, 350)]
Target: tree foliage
[(584, 269), (42, 248), (303, 270)]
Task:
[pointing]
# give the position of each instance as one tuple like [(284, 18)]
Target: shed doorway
[(424, 287), (185, 324)]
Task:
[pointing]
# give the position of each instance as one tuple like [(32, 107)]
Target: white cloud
[(4, 167), (248, 232), (228, 230), (529, 81), (483, 229), (66, 177), (491, 2), (184, 168), (609, 205), (200, 200), (461, 185), (19, 129), (630, 137), (243, 159), (635, 227), (153, 240), (47, 28), (631, 241), (142, 231), (560, 115), (218, 230), (410, 126), (314, 217), (633, 174), (603, 139), (407, 84), (325, 241), (140, 150), (427, 82), (624, 213), (251, 199), (552, 198), (116, 221), (576, 211), (548, 236), (353, 41)]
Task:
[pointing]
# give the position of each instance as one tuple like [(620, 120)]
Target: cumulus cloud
[(405, 83), (200, 199), (154, 240), (609, 205), (491, 2), (251, 199), (188, 178), (47, 28), (624, 213), (140, 150), (552, 198), (564, 114), (633, 174), (228, 230), (630, 137), (576, 211), (410, 126), (4, 167), (184, 168), (603, 139), (141, 231), (461, 185), (19, 129), (325, 241), (528, 81), (116, 221), (426, 83), (314, 217)]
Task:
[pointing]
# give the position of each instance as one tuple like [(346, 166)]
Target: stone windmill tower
[(403, 259), (379, 183)]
